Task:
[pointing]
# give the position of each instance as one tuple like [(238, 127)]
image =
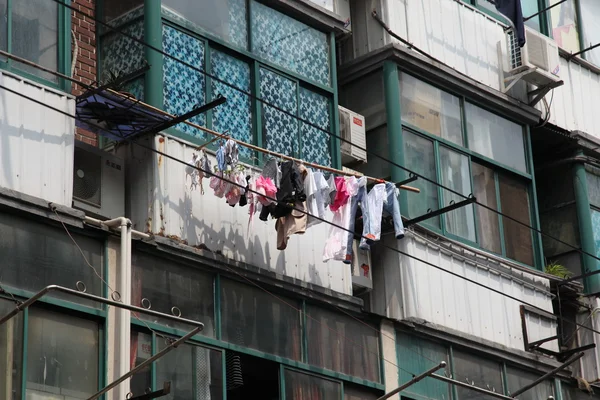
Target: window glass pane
[(11, 353), (495, 137), (353, 392), (590, 27), (299, 386), (280, 130), (455, 175), (122, 55), (419, 355), (593, 184), (596, 228), (564, 25), (184, 87), (36, 255), (340, 343), (573, 393), (166, 284), (430, 109), (479, 372), (120, 11), (484, 190), (223, 18), (530, 7), (328, 4), (235, 115), (3, 26), (516, 379), (35, 35), (315, 143), (514, 201), (253, 318), (283, 41), (194, 372), (141, 350), (419, 157), (62, 356)]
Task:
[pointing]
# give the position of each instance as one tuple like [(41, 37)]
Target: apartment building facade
[(465, 285)]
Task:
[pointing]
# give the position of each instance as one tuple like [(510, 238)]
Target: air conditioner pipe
[(123, 287)]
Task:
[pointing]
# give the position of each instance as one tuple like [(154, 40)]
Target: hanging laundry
[(361, 199), (231, 155), (342, 195), (236, 189), (192, 172), (221, 164), (244, 196), (272, 170), (332, 190), (335, 246), (267, 190), (295, 221), (291, 191), (383, 197), (321, 199)]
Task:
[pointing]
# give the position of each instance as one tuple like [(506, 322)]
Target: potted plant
[(115, 82)]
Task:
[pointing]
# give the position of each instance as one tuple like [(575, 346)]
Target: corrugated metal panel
[(36, 143), (165, 205), (573, 107), (416, 290), (451, 32)]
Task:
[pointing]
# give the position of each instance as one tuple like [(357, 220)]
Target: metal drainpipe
[(122, 316), (596, 326)]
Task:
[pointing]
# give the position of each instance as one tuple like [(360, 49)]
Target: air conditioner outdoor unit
[(352, 129), (98, 182), (362, 281), (537, 61)]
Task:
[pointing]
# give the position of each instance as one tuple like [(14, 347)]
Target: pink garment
[(267, 188), (342, 195), (219, 185), (335, 246)]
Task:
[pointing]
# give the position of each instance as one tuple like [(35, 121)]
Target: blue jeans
[(361, 197), (393, 208)]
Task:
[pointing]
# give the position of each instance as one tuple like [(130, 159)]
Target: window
[(565, 25), (479, 372), (430, 109), (495, 137), (353, 348), (516, 379), (163, 285), (288, 68), (195, 372), (590, 28), (35, 35), (484, 155), (420, 355), (225, 19), (11, 348), (528, 7), (253, 318), (37, 255), (62, 356), (354, 392), (301, 386)]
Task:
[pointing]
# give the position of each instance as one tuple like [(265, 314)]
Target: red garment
[(342, 195)]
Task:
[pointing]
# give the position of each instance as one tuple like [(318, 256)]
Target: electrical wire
[(315, 126), (210, 173)]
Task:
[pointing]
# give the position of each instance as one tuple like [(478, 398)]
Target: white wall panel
[(165, 205), (36, 143), (410, 289)]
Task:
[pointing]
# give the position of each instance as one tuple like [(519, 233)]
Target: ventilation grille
[(516, 56), (87, 177)]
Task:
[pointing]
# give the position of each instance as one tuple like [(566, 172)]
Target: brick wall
[(86, 67)]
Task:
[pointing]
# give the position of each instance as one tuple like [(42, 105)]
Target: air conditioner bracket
[(539, 93), (514, 78)]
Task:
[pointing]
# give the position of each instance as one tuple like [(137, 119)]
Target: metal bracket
[(441, 211), (156, 394), (198, 326), (412, 178), (539, 93)]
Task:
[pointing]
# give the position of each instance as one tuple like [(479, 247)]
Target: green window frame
[(529, 7), (153, 87), (435, 165), (416, 355), (63, 45), (219, 342)]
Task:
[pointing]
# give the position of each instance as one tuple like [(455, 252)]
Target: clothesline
[(262, 150)]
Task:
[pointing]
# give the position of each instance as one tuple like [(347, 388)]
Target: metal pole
[(471, 387), (549, 374), (543, 11), (414, 380), (148, 361), (56, 288)]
